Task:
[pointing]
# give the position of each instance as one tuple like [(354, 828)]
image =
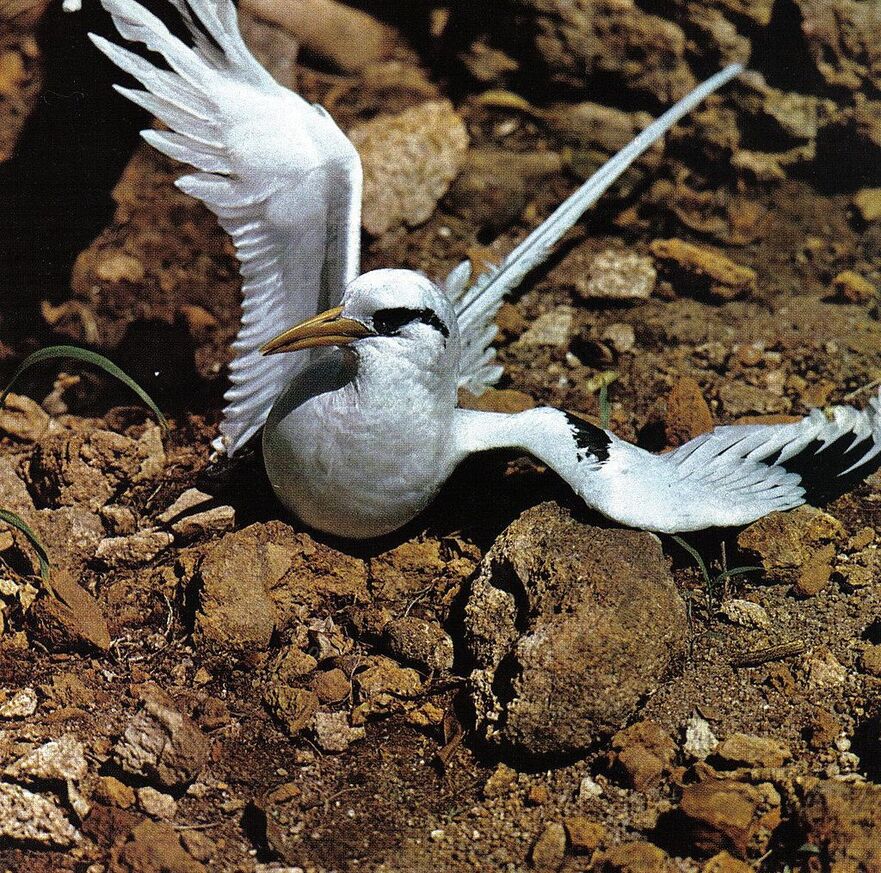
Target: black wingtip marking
[(821, 471), (589, 437)]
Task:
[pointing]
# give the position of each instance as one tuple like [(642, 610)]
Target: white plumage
[(359, 439), (282, 178)]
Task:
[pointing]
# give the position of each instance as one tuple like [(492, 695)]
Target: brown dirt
[(308, 712)]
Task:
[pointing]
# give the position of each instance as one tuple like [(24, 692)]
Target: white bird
[(359, 438)]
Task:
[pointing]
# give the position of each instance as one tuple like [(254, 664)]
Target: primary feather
[(282, 178)]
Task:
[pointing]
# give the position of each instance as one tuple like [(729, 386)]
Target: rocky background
[(509, 683)]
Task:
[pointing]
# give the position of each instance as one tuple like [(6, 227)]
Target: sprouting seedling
[(16, 521), (605, 406), (51, 353), (711, 583)]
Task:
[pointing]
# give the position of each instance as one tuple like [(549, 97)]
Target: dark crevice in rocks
[(866, 745), (781, 55)]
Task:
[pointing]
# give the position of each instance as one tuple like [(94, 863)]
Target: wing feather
[(730, 476), (281, 177)]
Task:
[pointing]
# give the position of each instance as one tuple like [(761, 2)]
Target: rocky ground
[(201, 684)]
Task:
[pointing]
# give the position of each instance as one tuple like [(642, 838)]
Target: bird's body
[(359, 436), (347, 450)]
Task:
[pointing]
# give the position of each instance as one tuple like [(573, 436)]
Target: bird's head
[(400, 313)]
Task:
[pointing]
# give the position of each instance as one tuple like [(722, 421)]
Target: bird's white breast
[(357, 457)]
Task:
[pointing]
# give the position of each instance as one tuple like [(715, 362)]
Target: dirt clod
[(642, 753), (639, 857), (409, 161), (549, 849), (22, 419), (421, 642), (688, 415), (333, 733), (154, 847), (700, 270), (723, 814), (844, 821), (293, 707), (745, 750), (853, 288), (88, 471), (785, 542), (133, 550), (160, 742)]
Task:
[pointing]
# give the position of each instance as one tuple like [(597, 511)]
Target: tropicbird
[(359, 436)]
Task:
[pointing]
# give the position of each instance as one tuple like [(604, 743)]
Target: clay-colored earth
[(203, 684)]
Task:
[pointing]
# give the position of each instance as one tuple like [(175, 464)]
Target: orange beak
[(326, 329)]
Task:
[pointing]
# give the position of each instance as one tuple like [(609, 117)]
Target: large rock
[(844, 820), (569, 626)]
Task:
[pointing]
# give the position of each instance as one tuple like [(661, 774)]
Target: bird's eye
[(387, 322)]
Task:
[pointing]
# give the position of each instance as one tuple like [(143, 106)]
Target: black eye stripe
[(389, 321)]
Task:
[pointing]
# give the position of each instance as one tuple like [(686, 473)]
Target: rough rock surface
[(569, 626), (616, 275), (32, 818), (409, 161), (161, 743), (844, 821)]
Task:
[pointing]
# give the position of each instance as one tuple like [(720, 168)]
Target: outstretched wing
[(730, 476), (476, 305), (282, 178)]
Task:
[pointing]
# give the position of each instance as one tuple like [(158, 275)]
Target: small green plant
[(605, 406), (16, 521), (71, 353), (712, 583), (51, 353)]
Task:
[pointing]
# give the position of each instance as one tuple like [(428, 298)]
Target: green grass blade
[(738, 571), (51, 353), (605, 406), (19, 523), (696, 555)]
